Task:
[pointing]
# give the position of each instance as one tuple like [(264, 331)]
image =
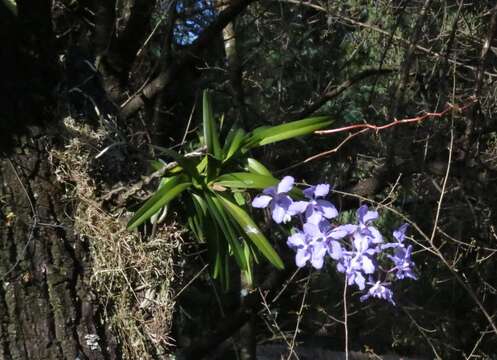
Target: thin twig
[(444, 186), (191, 281), (483, 333), (275, 324), (345, 319), (299, 317), (284, 287), (189, 122), (423, 332)]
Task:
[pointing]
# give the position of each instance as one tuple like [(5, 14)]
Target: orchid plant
[(214, 188), (357, 249)]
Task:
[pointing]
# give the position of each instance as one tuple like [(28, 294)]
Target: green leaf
[(240, 200), (202, 165), (219, 215), (235, 142), (210, 130), (187, 164), (171, 189), (156, 165), (248, 258), (256, 167), (217, 252), (245, 180), (198, 219), (268, 135), (252, 232)]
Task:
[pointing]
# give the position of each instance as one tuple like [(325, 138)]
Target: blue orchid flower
[(276, 197)]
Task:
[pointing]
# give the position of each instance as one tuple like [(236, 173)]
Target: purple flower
[(362, 255), (379, 290), (352, 270), (365, 217), (400, 233), (403, 263), (355, 265), (308, 248), (359, 260), (316, 209), (361, 232), (323, 232), (278, 201)]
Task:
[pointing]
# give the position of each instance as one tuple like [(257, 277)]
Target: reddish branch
[(396, 122), (363, 128)]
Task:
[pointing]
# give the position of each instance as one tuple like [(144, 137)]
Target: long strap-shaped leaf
[(268, 135), (234, 142), (256, 167), (211, 135), (252, 231), (245, 180), (218, 213), (164, 195)]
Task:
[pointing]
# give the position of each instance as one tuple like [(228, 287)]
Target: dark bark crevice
[(131, 39), (105, 16)]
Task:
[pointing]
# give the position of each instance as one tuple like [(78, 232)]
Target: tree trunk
[(46, 310)]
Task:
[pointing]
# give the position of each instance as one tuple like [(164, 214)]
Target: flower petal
[(369, 216), (400, 233), (313, 217), (367, 265), (298, 207), (309, 192), (296, 240), (335, 250), (261, 201), (365, 297), (342, 231), (285, 184), (360, 280), (312, 230), (301, 257), (361, 212), (361, 243), (317, 259), (327, 208), (278, 213), (271, 191), (375, 235), (321, 190)]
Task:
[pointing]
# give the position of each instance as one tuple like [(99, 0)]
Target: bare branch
[(186, 56)]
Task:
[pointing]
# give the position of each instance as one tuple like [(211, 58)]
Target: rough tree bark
[(46, 308)]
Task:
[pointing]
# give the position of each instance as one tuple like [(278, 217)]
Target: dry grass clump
[(131, 276)]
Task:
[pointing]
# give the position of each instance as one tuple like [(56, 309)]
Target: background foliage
[(138, 69)]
